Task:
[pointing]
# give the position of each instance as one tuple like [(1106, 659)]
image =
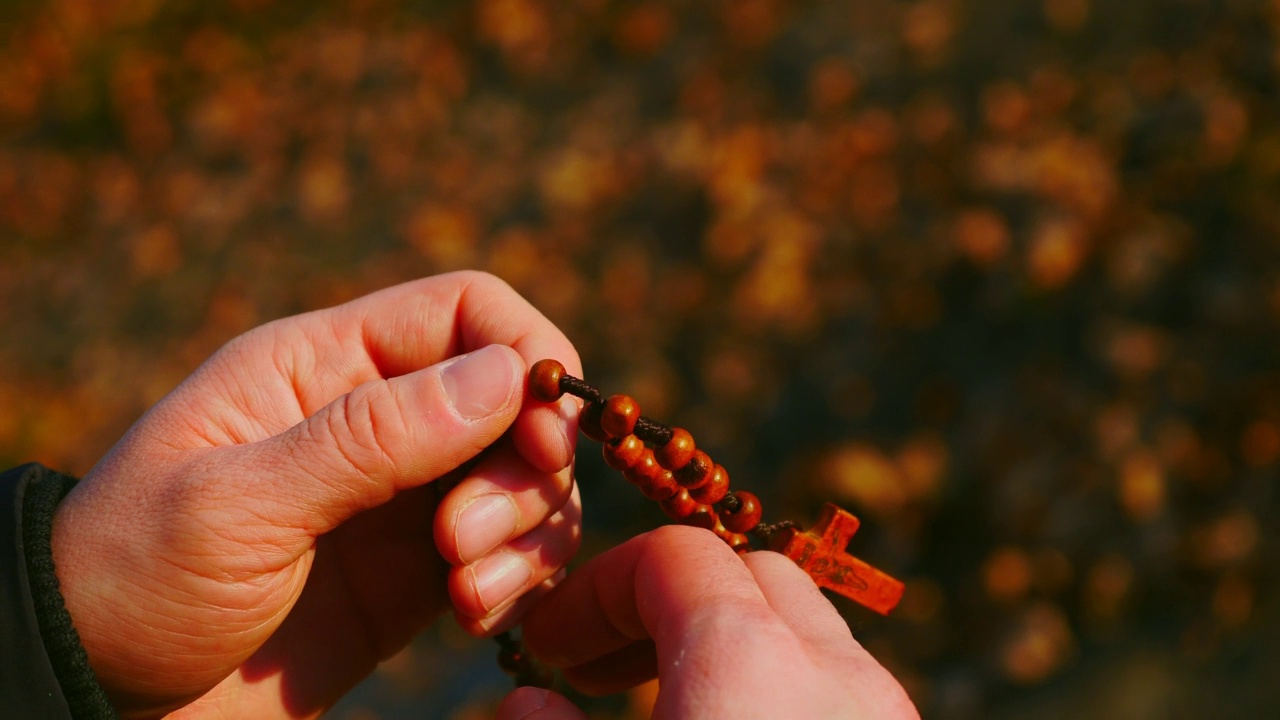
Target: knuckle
[(484, 280), (568, 533), (360, 427)]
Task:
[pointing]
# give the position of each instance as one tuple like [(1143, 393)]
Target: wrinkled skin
[(275, 526)]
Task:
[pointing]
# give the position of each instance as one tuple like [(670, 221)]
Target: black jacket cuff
[(44, 670)]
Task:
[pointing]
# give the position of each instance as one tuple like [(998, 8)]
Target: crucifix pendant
[(821, 553)]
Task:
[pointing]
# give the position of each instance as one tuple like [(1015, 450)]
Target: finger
[(530, 703), (547, 434), (483, 588), (824, 634), (797, 600), (511, 615), (408, 326), (662, 585), (382, 437), (268, 379), (619, 670), (501, 498)]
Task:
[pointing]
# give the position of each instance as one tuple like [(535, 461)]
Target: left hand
[(264, 535)]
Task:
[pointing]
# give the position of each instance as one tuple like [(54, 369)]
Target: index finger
[(319, 356), (415, 324), (405, 327)]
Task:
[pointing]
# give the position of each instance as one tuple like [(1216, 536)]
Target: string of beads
[(663, 462), (667, 466), (690, 487)]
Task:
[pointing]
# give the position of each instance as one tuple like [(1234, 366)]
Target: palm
[(374, 583)]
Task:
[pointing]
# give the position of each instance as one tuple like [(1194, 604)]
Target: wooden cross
[(821, 553)]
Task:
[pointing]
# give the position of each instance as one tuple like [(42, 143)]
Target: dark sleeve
[(44, 671)]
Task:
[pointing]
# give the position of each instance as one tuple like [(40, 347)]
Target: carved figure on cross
[(820, 552)]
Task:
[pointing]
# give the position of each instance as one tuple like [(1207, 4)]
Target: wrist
[(85, 696)]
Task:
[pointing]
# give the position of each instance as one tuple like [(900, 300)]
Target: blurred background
[(999, 276)]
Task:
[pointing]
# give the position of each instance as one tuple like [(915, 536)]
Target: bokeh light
[(999, 276)]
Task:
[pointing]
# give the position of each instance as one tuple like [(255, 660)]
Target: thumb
[(530, 703), (385, 436)]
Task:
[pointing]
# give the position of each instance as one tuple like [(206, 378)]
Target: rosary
[(665, 465)]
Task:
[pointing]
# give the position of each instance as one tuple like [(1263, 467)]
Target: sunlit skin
[(726, 635), (271, 529)]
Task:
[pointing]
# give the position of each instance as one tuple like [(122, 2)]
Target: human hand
[(263, 536), (748, 637)]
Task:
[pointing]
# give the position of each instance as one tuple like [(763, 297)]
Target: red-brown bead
[(697, 472), (624, 453), (679, 506), (715, 489), (619, 416), (747, 515), (544, 380), (646, 466), (703, 516), (677, 452), (654, 482), (589, 422), (740, 543), (719, 529)]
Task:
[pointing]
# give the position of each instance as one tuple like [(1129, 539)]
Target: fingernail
[(498, 577), (484, 524), (480, 383)]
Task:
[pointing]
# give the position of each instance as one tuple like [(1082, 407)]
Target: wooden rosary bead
[(719, 529), (619, 416), (738, 542), (660, 486), (677, 452), (646, 466), (544, 380), (679, 506), (697, 472), (624, 453), (650, 479), (746, 516), (703, 516), (589, 422), (715, 489)]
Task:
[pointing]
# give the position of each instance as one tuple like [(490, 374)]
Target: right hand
[(727, 636)]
